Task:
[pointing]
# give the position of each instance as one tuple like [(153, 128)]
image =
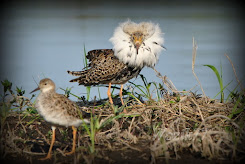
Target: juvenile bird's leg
[(74, 141), (109, 93), (51, 145)]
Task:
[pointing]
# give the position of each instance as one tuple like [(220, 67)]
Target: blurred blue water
[(47, 41)]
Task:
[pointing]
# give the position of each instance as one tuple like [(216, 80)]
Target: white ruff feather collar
[(148, 53)]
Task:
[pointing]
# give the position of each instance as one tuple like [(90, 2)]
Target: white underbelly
[(57, 116)]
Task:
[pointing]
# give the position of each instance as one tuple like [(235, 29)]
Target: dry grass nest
[(170, 126)]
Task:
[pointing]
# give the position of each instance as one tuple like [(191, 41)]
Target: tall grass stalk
[(145, 90), (223, 90), (158, 90), (237, 108), (96, 124), (99, 93), (147, 86), (85, 64), (194, 54), (231, 93)]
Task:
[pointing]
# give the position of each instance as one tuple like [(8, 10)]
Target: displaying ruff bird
[(57, 110), (135, 46)]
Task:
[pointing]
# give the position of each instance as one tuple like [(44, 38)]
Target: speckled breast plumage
[(58, 110)]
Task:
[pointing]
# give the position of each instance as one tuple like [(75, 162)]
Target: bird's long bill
[(137, 46), (35, 90)]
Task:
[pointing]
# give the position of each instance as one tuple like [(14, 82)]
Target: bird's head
[(45, 85), (137, 39), (138, 45)]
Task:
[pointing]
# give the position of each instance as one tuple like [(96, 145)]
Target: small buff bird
[(58, 110)]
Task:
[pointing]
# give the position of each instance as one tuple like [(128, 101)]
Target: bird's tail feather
[(76, 80), (82, 76), (77, 73)]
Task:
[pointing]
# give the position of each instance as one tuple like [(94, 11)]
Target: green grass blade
[(85, 61), (223, 89), (85, 64), (130, 94), (220, 80), (143, 79), (147, 85), (71, 93), (88, 88), (157, 91), (217, 74), (139, 87), (99, 93), (234, 110), (107, 121), (231, 93)]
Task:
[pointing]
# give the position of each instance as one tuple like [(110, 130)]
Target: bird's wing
[(95, 56), (71, 109), (104, 67)]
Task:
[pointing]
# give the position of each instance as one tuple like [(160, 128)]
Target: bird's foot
[(69, 153), (46, 158)]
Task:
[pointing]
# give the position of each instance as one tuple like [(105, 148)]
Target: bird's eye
[(45, 83), (132, 37)]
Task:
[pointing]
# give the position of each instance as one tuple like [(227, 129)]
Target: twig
[(132, 147), (224, 117), (239, 83), (198, 108), (169, 83), (42, 135), (61, 152), (166, 81), (20, 122), (130, 127), (33, 153)]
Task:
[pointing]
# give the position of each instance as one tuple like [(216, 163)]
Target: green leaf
[(19, 91), (106, 122), (7, 85), (216, 73)]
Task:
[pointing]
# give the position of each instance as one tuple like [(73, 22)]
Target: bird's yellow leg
[(120, 94), (109, 93), (74, 141), (51, 145)]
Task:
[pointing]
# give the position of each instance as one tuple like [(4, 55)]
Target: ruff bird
[(135, 46), (58, 110)]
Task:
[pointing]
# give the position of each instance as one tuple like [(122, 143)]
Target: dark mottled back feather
[(104, 68)]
